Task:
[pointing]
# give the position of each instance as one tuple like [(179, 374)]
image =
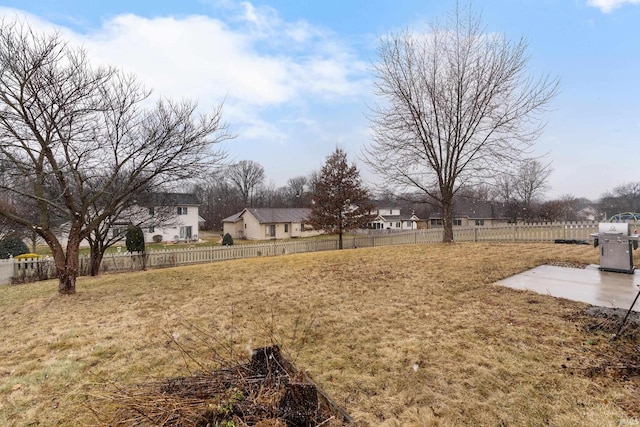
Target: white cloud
[(193, 57), (275, 77), (607, 6)]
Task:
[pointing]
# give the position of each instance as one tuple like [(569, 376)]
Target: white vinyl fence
[(6, 271), (43, 268)]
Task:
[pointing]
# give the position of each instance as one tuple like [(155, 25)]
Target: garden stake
[(627, 316)]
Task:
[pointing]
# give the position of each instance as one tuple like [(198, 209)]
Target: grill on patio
[(617, 242)]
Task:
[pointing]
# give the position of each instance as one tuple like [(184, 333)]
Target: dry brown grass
[(398, 336)]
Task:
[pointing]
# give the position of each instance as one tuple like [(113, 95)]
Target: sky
[(295, 75)]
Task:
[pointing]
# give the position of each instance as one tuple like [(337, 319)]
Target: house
[(269, 223), (469, 213), (588, 213), (174, 216), (390, 218)]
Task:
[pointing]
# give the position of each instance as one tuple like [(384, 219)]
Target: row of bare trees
[(243, 185)]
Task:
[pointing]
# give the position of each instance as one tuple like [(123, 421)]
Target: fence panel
[(43, 268), (6, 271)]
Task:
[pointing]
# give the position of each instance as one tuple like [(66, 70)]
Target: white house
[(269, 223), (390, 218), (173, 216), (179, 217)]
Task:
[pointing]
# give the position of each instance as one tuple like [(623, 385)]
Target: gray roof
[(273, 215), (280, 215), (233, 218)]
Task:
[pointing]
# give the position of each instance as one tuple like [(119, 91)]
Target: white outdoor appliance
[(617, 242)]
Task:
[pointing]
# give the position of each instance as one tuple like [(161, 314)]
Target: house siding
[(391, 219), (172, 232), (253, 230), (276, 224)]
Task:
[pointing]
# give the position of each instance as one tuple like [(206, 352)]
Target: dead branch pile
[(267, 391)]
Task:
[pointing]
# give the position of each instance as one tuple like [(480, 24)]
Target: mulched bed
[(267, 391)]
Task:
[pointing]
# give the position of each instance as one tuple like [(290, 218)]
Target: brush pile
[(267, 391)]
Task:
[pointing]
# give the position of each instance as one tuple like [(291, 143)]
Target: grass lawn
[(398, 336)]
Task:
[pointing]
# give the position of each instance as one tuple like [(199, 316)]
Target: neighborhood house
[(174, 216), (269, 223), (471, 213), (391, 219)]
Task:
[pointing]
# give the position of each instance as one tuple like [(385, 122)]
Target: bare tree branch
[(81, 141), (456, 106)]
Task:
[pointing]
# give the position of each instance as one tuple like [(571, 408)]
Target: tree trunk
[(447, 221), (67, 280), (34, 241), (67, 264), (340, 240), (96, 261)]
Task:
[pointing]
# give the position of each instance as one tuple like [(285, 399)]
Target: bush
[(135, 240), (12, 246), (227, 240), (157, 238)]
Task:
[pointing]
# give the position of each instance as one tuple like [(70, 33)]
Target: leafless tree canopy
[(456, 105), (84, 140), (531, 180), (523, 189), (246, 176)]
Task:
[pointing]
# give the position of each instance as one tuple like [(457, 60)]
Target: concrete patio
[(590, 285)]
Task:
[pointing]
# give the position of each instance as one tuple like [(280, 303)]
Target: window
[(397, 224), (118, 232), (152, 211), (152, 229), (479, 221), (457, 222), (286, 228), (270, 230), (182, 210), (436, 221), (185, 232), (409, 225)]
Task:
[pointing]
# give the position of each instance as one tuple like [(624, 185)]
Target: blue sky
[(295, 74)]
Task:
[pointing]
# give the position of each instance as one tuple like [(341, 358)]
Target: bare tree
[(530, 183), (218, 198), (297, 193), (561, 209), (85, 140), (623, 198), (456, 106), (246, 176), (147, 209), (341, 203)]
